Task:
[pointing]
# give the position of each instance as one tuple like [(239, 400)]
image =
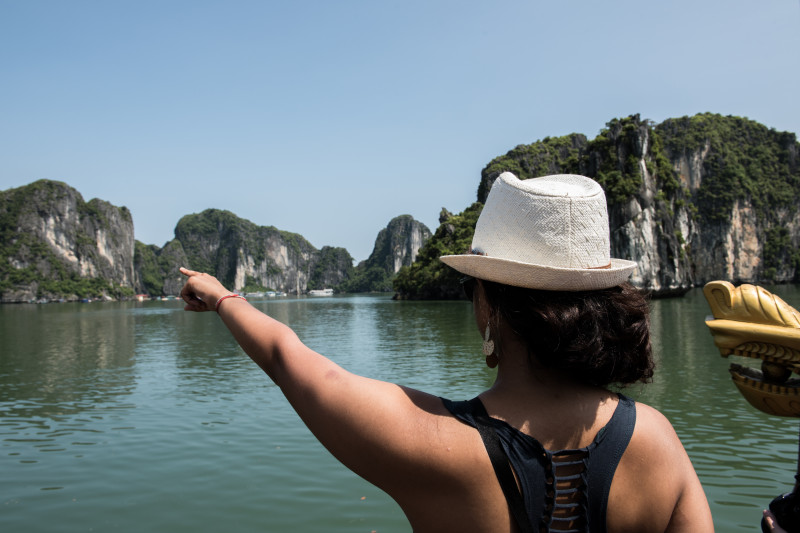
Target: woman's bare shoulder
[(656, 487), (655, 444), (651, 423)]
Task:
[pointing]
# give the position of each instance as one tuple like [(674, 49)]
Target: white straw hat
[(546, 233)]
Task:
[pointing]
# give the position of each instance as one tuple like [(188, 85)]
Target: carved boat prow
[(750, 321)]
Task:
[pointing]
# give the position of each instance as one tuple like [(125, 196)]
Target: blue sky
[(329, 118)]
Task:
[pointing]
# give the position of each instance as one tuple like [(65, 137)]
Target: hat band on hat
[(475, 251)]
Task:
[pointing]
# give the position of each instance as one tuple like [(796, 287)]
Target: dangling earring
[(488, 349)]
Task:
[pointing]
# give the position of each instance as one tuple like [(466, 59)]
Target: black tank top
[(565, 490)]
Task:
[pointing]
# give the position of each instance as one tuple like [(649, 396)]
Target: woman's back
[(653, 488), (562, 489)]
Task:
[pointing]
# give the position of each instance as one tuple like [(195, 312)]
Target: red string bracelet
[(231, 295)]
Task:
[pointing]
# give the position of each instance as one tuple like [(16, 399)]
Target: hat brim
[(531, 276)]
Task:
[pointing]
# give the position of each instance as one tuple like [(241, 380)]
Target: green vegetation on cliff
[(429, 278), (146, 263), (251, 284), (745, 159), (613, 158), (551, 155), (333, 264), (367, 279), (779, 252)]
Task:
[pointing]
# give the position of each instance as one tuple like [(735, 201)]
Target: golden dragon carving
[(752, 322)]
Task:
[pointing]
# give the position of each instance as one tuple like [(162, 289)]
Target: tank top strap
[(604, 458), (460, 409)]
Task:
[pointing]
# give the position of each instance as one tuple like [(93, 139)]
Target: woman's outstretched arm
[(380, 430)]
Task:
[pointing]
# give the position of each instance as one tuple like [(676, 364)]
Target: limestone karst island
[(691, 199)]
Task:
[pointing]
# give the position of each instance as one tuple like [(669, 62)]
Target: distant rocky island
[(691, 199), (56, 246)]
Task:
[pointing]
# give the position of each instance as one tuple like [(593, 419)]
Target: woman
[(559, 323)]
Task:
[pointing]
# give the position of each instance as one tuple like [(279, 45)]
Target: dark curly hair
[(598, 337)]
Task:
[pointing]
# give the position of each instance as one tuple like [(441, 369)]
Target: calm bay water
[(142, 417)]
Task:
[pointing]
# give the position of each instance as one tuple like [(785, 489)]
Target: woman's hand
[(201, 291)]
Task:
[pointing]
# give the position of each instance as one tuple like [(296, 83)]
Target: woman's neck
[(521, 380), (558, 411)]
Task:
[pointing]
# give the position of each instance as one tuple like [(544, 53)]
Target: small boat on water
[(320, 292)]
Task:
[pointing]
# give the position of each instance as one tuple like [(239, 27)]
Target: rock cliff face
[(243, 256), (396, 246), (740, 218), (691, 199), (55, 245), (398, 243)]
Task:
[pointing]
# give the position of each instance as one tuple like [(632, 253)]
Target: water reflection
[(48, 350)]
